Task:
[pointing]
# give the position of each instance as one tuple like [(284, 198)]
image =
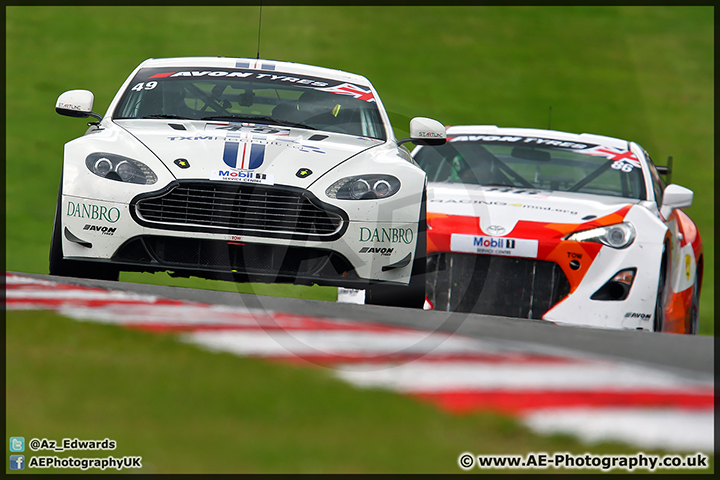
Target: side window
[(657, 182)]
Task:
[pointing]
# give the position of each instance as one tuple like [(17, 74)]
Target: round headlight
[(382, 188), (616, 237), (103, 166), (359, 188), (125, 170)]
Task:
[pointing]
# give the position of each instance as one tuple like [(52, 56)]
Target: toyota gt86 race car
[(577, 229), (251, 170)]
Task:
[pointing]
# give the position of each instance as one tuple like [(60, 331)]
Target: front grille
[(238, 209), (494, 285)]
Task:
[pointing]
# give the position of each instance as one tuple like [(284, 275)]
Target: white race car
[(244, 169), (576, 229)]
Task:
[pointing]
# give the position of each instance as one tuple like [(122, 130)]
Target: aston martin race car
[(575, 229), (248, 170)]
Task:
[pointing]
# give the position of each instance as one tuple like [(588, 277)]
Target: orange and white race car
[(573, 229)]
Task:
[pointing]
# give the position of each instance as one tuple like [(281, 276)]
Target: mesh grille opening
[(494, 285), (249, 209)]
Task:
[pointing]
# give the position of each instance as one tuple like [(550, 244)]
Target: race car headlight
[(619, 235), (364, 187), (119, 168)]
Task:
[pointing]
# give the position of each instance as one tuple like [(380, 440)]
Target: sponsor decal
[(429, 135), (303, 172), (515, 139), (92, 211), (641, 316), (196, 137), (387, 235), (69, 106), (503, 204), (382, 251), (688, 262), (311, 82), (309, 148), (182, 163), (243, 176), (100, 228), (510, 247)]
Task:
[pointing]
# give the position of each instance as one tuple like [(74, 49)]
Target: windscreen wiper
[(259, 118), (172, 117)]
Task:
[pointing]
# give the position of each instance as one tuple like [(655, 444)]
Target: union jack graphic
[(352, 90), (615, 154)]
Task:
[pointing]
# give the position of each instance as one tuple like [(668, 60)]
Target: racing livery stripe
[(550, 392), (245, 157)]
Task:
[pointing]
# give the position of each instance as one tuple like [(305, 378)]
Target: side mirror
[(425, 131), (675, 196), (76, 103)]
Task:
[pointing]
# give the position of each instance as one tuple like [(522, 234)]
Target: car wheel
[(694, 317), (412, 295), (72, 268), (659, 319)]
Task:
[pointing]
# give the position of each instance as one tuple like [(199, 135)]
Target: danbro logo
[(93, 212), (390, 235)]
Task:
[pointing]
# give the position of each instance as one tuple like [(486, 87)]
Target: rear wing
[(666, 170)]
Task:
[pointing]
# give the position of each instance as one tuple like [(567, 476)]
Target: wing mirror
[(76, 103), (675, 196), (425, 131)]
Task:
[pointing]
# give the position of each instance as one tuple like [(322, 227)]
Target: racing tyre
[(659, 318), (694, 318), (412, 295), (74, 268)]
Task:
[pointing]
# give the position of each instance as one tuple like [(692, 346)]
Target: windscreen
[(252, 96), (537, 163)]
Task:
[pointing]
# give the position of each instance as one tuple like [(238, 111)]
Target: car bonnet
[(501, 208), (227, 151)]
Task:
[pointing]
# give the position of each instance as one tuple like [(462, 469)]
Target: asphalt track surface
[(688, 355)]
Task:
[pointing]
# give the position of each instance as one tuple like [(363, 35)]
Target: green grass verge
[(643, 73), (187, 410)]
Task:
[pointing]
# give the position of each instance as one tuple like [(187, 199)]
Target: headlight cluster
[(364, 187), (619, 235), (119, 168)]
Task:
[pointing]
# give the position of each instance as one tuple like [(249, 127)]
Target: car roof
[(536, 132), (255, 64)]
